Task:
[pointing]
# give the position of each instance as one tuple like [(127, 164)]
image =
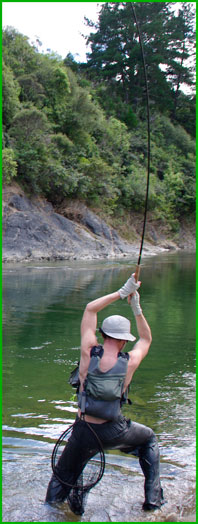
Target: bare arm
[(88, 328), (89, 322), (141, 347)]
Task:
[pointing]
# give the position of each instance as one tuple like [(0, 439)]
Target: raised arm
[(141, 347), (88, 329), (89, 321)]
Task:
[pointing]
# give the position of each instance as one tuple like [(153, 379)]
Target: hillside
[(75, 135)]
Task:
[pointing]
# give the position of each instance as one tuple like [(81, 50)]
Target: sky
[(58, 25)]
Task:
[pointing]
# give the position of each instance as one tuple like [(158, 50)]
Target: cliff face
[(32, 230)]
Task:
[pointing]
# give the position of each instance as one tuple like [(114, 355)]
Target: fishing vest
[(103, 390)]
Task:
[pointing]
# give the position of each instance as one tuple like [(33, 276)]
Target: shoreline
[(133, 258), (149, 252), (34, 231)]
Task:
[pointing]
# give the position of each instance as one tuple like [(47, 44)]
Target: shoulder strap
[(97, 351), (123, 355)]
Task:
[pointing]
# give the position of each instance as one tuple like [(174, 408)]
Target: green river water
[(43, 306)]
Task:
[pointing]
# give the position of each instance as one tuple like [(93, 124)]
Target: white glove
[(129, 287), (135, 304)]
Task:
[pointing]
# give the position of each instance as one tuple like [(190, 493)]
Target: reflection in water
[(43, 308)]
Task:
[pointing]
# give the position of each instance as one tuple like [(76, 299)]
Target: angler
[(103, 382), (105, 373)]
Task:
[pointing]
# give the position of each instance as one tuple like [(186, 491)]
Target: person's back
[(104, 385)]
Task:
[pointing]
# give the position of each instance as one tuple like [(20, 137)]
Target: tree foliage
[(10, 90), (79, 130), (115, 58), (9, 165)]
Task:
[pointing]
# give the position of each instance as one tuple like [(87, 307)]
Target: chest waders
[(103, 391)]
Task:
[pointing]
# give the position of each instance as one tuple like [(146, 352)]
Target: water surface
[(43, 306)]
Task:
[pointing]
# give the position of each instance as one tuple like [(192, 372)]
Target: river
[(43, 305)]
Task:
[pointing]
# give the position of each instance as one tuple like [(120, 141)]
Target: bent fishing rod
[(137, 271), (93, 481)]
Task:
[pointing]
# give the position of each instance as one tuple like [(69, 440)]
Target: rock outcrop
[(32, 230)]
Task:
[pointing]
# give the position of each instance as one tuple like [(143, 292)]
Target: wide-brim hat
[(117, 327)]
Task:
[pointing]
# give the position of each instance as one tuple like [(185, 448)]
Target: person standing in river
[(105, 373)]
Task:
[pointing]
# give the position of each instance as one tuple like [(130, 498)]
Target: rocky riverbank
[(33, 230)]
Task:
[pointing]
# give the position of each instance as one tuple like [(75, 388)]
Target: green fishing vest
[(104, 389)]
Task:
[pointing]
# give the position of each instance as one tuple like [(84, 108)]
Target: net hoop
[(101, 467)]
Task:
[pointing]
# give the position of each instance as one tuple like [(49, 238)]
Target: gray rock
[(32, 230), (20, 203), (97, 226)]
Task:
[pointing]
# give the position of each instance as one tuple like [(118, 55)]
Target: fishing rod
[(137, 271), (94, 474)]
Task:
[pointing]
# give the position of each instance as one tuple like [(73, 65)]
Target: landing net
[(80, 464)]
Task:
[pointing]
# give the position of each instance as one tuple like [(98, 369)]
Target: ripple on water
[(120, 491)]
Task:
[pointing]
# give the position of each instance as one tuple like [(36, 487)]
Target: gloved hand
[(129, 287), (134, 302)]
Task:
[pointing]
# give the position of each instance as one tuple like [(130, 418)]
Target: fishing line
[(137, 272), (93, 470)]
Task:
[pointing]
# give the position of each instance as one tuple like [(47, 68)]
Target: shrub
[(9, 165)]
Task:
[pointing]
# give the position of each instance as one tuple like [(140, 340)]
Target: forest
[(78, 131)]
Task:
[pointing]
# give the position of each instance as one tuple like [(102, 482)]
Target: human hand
[(129, 287), (134, 301)]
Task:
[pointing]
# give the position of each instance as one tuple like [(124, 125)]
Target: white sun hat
[(118, 327)]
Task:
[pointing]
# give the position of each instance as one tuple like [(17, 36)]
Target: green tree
[(10, 92), (18, 54), (31, 89), (9, 165), (81, 112), (115, 59), (80, 131), (53, 78), (186, 111), (28, 137), (180, 49), (115, 51)]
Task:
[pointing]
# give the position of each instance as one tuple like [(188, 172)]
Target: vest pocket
[(108, 388)]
